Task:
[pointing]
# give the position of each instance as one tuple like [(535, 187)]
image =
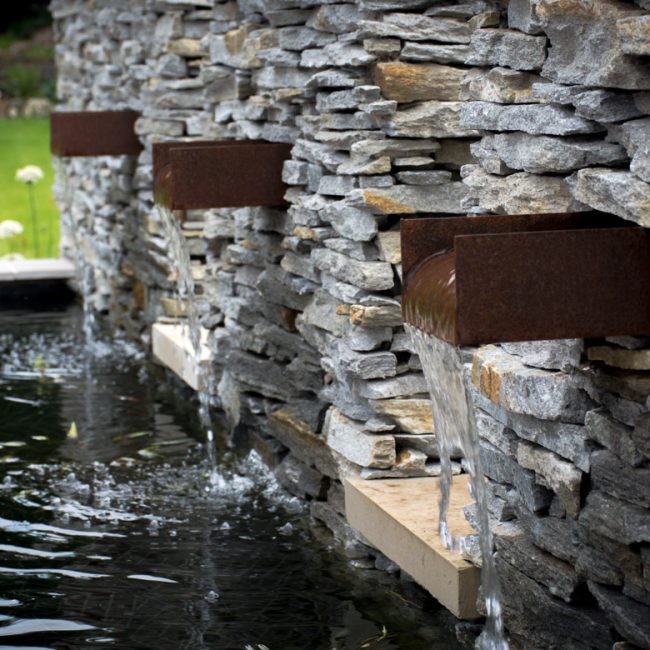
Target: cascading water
[(180, 258), (84, 270), (455, 427)]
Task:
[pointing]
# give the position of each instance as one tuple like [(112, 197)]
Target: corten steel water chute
[(473, 280), (219, 174), (94, 133)]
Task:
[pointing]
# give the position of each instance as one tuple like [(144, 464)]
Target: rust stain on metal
[(94, 133), (225, 174), (528, 277)]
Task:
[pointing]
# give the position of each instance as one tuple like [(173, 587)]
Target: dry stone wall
[(394, 107)]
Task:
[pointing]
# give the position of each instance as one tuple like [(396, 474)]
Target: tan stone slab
[(620, 357), (400, 518), (171, 346), (41, 269)]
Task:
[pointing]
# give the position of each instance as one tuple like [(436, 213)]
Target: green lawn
[(27, 142)]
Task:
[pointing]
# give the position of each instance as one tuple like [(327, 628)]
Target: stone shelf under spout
[(94, 133), (400, 518), (219, 174), (171, 346), (473, 280)]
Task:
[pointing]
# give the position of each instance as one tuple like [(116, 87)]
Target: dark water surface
[(108, 538)]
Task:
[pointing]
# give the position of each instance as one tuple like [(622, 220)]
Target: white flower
[(10, 228), (29, 174)]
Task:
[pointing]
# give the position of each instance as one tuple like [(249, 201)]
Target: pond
[(108, 537)]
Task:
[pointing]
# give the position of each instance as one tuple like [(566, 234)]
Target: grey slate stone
[(508, 48), (414, 27), (534, 119), (548, 154)]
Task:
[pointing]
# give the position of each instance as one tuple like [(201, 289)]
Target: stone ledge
[(400, 518), (171, 346), (41, 269)]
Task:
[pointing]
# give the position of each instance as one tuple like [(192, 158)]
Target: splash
[(455, 427), (180, 258)]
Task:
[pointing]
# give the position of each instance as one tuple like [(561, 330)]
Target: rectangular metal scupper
[(225, 174), (94, 133), (526, 277)]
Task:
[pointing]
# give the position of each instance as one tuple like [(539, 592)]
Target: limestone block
[(388, 315), (339, 53), (186, 47), (338, 18), (507, 47), (434, 52), (605, 106), (412, 415), (431, 119), (611, 475), (393, 148), (505, 380), (515, 547), (348, 438), (500, 85), (416, 27), (548, 154), (238, 48), (629, 617), (537, 119), (558, 475), (355, 223), (620, 357), (613, 435), (634, 34), (372, 276), (522, 15), (402, 386), (520, 193), (382, 48), (616, 519), (410, 82), (615, 191), (390, 250), (559, 354), (596, 57), (409, 199)]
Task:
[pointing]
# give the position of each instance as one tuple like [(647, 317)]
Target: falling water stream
[(180, 258), (455, 427)]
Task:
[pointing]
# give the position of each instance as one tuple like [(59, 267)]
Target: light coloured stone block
[(171, 346), (400, 518)]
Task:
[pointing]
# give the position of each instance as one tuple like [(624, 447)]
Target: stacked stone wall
[(394, 108)]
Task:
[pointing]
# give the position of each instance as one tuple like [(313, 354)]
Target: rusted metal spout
[(472, 280), (224, 174), (94, 133)]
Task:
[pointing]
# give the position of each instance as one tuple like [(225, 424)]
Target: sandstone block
[(431, 119), (411, 415), (500, 85), (410, 82)]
